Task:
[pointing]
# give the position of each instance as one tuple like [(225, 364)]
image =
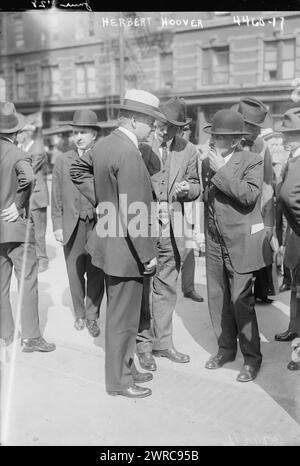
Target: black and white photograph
[(149, 229)]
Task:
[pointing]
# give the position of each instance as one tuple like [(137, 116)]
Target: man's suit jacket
[(237, 208), (16, 182), (65, 197), (183, 167), (290, 197), (111, 171), (40, 195)]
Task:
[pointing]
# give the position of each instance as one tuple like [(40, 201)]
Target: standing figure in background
[(255, 115), (73, 218), (32, 143)]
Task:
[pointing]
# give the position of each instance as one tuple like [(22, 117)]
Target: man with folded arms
[(234, 232)]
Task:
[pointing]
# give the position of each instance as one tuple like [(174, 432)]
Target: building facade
[(58, 61)]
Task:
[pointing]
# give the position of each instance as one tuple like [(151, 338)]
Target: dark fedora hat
[(175, 111), (253, 111), (139, 101), (227, 122), (86, 118), (10, 120), (290, 122)]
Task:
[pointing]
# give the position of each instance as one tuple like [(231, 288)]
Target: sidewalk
[(59, 398)]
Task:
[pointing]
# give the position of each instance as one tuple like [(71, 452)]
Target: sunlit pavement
[(59, 398)]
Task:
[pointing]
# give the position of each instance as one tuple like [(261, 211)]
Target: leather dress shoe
[(247, 373), (93, 328), (218, 361), (134, 391), (172, 354), (79, 323), (147, 361), (263, 300), (140, 377), (37, 344), (284, 287), (293, 366), (285, 336), (194, 296)]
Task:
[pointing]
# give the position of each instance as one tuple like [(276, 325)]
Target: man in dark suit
[(235, 235), (176, 182), (17, 250), (114, 177), (32, 143), (73, 218), (290, 198)]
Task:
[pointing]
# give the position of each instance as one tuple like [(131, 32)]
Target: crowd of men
[(146, 165)]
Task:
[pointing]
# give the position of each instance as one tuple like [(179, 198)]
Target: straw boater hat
[(86, 118), (10, 120), (290, 122), (175, 112), (141, 102), (253, 111), (227, 122)]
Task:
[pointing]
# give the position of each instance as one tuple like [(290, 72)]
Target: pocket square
[(257, 227)]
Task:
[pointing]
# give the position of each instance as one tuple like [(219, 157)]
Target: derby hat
[(86, 118), (227, 122), (253, 111), (175, 112), (144, 102), (290, 122), (10, 120)]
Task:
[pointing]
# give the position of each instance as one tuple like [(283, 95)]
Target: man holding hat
[(256, 117), (30, 142), (289, 196), (17, 235), (175, 183), (114, 177), (234, 231), (73, 218)]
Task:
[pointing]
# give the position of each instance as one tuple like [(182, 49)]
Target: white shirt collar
[(297, 152), (26, 148), (130, 135), (228, 157)]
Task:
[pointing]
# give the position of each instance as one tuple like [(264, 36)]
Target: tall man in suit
[(256, 117), (290, 198), (114, 177), (17, 249), (234, 231), (32, 144), (73, 218), (176, 182)]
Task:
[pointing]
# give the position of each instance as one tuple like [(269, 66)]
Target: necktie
[(164, 152)]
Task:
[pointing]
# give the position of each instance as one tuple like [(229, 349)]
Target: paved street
[(59, 398)]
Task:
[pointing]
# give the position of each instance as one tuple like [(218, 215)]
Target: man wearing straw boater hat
[(113, 176), (17, 242), (175, 183), (73, 218), (256, 117), (234, 231), (289, 196)]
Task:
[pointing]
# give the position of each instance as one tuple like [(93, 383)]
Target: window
[(21, 94), (215, 65), (166, 70), (2, 88), (85, 79), (51, 81), (18, 31), (91, 24), (279, 60)]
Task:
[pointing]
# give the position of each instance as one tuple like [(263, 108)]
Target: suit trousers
[(11, 256), (231, 304), (39, 218), (122, 320), (144, 339), (188, 272), (294, 325), (86, 281), (164, 294)]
